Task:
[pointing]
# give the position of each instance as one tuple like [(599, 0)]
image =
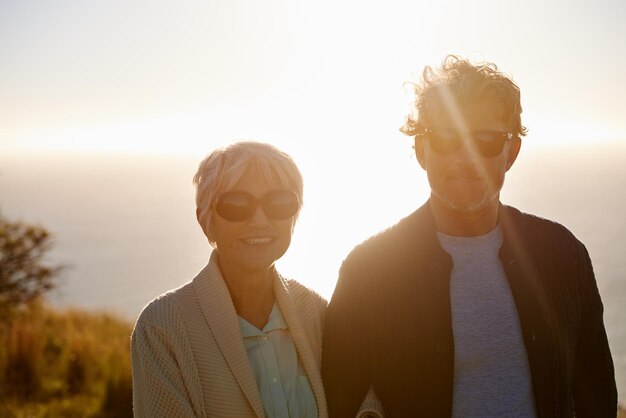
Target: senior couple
[(464, 308)]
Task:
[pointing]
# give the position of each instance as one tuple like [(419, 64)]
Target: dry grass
[(69, 363)]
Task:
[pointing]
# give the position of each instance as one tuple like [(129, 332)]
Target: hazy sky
[(165, 82), (323, 80), (169, 76)]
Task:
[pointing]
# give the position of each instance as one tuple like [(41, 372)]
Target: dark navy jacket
[(389, 322)]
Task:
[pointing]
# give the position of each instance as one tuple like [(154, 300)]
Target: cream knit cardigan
[(188, 356)]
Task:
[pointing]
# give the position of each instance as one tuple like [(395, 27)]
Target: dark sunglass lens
[(444, 142), (489, 144), (280, 204), (236, 206)]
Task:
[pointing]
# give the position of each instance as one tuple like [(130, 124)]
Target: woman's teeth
[(256, 241)]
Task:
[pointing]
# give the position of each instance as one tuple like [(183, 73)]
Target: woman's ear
[(205, 228)]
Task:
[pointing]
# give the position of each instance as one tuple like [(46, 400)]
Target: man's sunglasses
[(239, 206), (448, 141)]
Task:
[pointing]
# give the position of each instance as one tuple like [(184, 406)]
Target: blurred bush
[(24, 274), (70, 363)]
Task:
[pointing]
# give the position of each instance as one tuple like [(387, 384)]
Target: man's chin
[(467, 206)]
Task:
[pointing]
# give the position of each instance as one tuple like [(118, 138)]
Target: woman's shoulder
[(304, 297), (163, 311)]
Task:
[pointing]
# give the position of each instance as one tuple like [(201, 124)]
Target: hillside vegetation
[(70, 363)]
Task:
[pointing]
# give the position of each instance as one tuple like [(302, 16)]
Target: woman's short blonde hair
[(224, 167)]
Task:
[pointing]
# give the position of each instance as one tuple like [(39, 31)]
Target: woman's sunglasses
[(448, 141), (239, 206)]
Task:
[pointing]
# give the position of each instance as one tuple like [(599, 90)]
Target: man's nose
[(468, 149)]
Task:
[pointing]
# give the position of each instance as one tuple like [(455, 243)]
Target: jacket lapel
[(219, 313), (286, 303)]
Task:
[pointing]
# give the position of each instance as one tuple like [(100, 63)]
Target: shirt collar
[(274, 322)]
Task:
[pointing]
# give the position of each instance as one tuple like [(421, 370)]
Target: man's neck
[(464, 224)]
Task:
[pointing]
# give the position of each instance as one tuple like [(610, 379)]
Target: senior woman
[(238, 340)]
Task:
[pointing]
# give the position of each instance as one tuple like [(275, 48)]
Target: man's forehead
[(455, 114)]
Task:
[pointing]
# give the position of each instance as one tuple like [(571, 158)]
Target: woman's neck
[(251, 292)]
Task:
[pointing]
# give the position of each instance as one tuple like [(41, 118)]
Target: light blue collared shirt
[(281, 379)]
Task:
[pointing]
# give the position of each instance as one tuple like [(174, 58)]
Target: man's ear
[(513, 150), (418, 146)]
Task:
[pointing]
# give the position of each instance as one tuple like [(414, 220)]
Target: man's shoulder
[(531, 223), (395, 241), (542, 234)]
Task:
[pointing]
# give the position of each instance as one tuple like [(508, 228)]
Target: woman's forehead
[(256, 178)]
